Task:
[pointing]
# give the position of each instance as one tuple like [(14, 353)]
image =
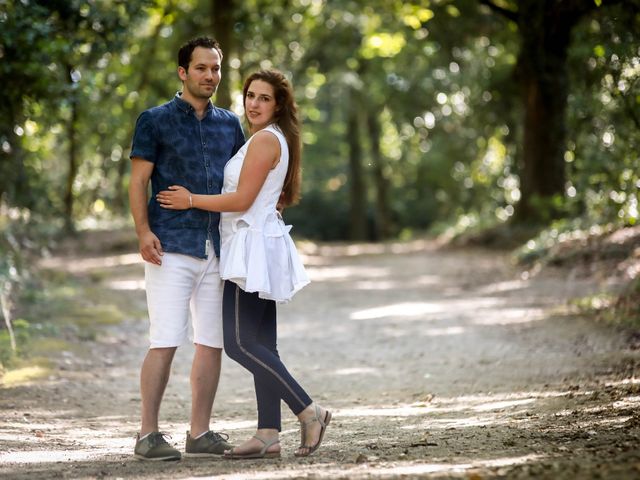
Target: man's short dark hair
[(184, 54)]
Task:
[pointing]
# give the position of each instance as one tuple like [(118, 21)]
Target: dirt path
[(436, 363)]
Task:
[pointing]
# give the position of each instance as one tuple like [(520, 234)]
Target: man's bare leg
[(154, 377), (205, 374)]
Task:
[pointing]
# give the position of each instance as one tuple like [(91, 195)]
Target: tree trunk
[(72, 158), (544, 81), (14, 184), (382, 218), (9, 183), (357, 190), (222, 21), (545, 28), (6, 305)]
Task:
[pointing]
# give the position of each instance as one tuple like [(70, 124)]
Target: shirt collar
[(186, 106)]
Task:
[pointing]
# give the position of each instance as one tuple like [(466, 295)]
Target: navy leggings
[(250, 336)]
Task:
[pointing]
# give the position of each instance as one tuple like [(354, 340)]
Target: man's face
[(203, 76)]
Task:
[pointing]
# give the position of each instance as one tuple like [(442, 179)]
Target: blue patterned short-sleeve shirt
[(189, 152)]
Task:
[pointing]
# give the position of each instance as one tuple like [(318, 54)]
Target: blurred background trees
[(414, 112), (417, 115)]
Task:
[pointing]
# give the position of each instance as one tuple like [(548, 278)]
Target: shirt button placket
[(204, 159)]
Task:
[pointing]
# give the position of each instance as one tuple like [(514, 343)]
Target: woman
[(258, 259)]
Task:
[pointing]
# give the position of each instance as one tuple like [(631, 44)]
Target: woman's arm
[(262, 155)]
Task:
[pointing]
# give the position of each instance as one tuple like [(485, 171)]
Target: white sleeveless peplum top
[(256, 251)]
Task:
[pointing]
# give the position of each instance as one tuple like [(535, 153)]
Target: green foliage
[(45, 75), (22, 332), (53, 308), (439, 77), (557, 243), (621, 310), (23, 236), (627, 305), (604, 117)]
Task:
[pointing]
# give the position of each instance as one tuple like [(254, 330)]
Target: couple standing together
[(227, 270)]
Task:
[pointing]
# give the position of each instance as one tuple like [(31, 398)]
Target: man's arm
[(150, 247)]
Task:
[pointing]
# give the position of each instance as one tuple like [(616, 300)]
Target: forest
[(469, 220), (419, 117)]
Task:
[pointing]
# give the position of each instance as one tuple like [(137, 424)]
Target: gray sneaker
[(208, 445), (154, 447)]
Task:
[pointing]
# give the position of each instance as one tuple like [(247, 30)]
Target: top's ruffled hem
[(263, 258)]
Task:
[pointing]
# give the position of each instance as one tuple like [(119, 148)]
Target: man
[(186, 141)]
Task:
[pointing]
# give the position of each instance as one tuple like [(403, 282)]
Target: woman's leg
[(269, 414), (250, 338), (267, 435), (242, 315)]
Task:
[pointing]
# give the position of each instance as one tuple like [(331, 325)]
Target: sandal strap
[(267, 443), (303, 427), (317, 418)]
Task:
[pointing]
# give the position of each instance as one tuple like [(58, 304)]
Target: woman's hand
[(176, 198)]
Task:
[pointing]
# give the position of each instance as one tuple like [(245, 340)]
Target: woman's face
[(260, 104)]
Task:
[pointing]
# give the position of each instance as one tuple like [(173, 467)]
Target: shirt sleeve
[(145, 140)]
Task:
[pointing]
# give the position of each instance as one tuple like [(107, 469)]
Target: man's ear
[(182, 73)]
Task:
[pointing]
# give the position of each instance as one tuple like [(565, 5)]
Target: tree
[(413, 112), (222, 21), (26, 49), (43, 69), (544, 28)]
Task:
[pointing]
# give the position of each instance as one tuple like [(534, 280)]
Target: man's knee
[(165, 353), (207, 351)]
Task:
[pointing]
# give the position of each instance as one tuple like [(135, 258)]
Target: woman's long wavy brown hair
[(286, 117)]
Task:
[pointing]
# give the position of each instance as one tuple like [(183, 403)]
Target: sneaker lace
[(218, 437), (158, 438)]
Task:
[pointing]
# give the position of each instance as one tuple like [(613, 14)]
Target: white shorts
[(184, 285)]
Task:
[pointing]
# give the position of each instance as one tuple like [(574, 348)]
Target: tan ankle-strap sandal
[(262, 453), (306, 450)]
